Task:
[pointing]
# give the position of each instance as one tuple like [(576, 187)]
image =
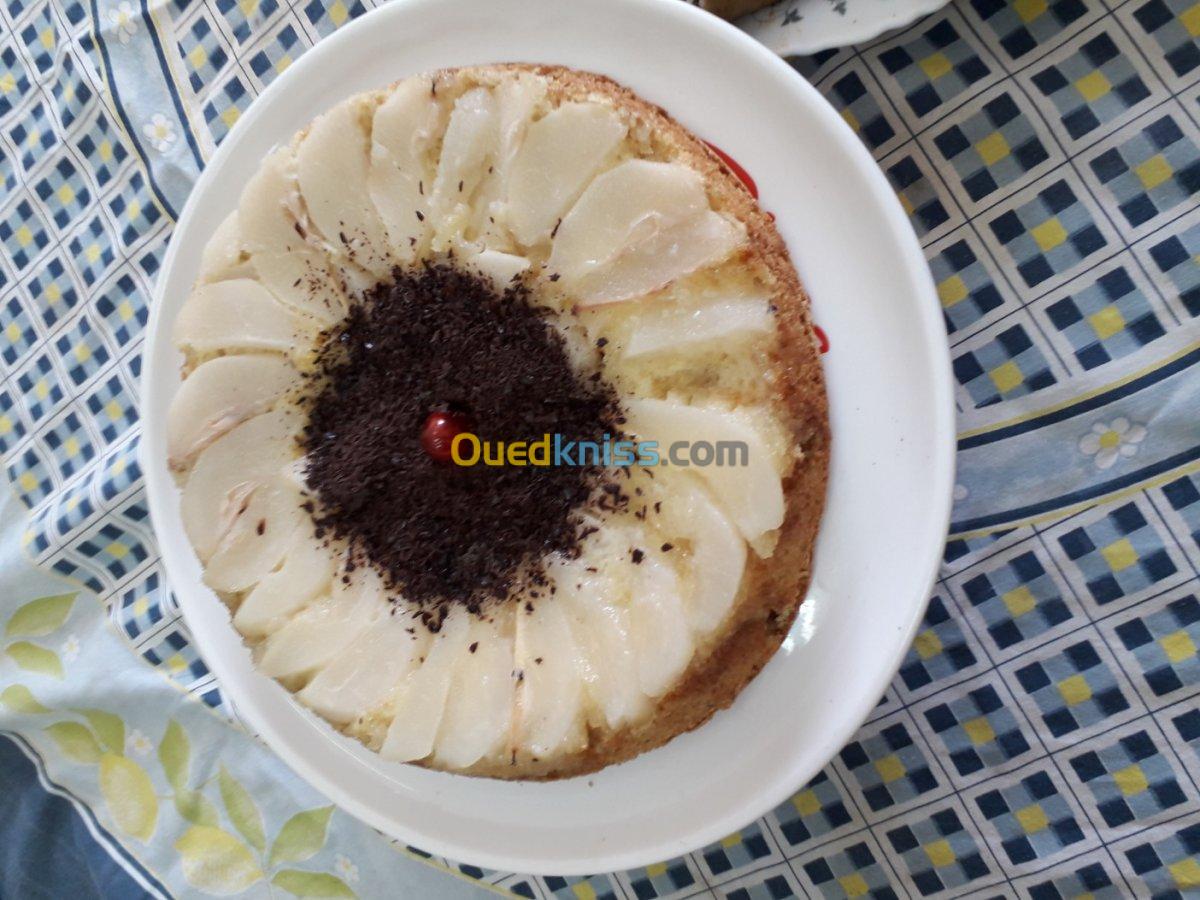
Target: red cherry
[(742, 175), (439, 431)]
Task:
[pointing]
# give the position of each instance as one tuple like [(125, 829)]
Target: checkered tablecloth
[(1042, 738)]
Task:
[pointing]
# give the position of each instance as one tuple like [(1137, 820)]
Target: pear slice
[(751, 494), (228, 472), (223, 256), (332, 164), (479, 705), (499, 268), (240, 314), (469, 145), (258, 538), (560, 154), (219, 395), (715, 550), (322, 631), (595, 600), (549, 718), (306, 572), (275, 232), (421, 698), (366, 674), (661, 636), (400, 176), (724, 320)]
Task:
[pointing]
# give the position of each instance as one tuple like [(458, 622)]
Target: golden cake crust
[(772, 589)]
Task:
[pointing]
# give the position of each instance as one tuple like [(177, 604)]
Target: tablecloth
[(1042, 738)]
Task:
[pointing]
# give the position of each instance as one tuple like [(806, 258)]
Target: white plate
[(795, 27), (892, 417)]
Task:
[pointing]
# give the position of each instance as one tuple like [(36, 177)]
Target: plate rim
[(932, 330), (854, 32)]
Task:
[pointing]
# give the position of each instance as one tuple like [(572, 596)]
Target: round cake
[(502, 431)]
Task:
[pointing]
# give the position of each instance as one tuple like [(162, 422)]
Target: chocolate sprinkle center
[(441, 339)]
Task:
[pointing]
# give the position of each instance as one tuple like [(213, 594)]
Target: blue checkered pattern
[(39, 36), (940, 651), (243, 16), (736, 851), (1017, 600), (1106, 320), (1176, 258), (103, 149), (1031, 817), (1183, 496), (1088, 880), (12, 425), (279, 53), (1129, 779), (965, 287), (1164, 643), (112, 409), (889, 767), (31, 475), (175, 654), (852, 872), (124, 309), (861, 110), (23, 235), (933, 66), (143, 607), (135, 210), (52, 289), (662, 880), (938, 852), (68, 445), (64, 191), (92, 250), (1152, 172), (769, 886), (1094, 85), (41, 388), (34, 136), (1187, 727), (226, 106), (992, 148), (72, 96), (1020, 27), (1118, 555), (328, 17), (1009, 365), (12, 71), (1164, 21), (978, 731), (917, 195), (1073, 689), (202, 53), (812, 812), (19, 336), (82, 351), (1170, 866), (1049, 235)]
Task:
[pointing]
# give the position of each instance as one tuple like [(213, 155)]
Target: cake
[(502, 430)]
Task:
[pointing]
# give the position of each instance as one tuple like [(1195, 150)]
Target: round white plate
[(801, 27), (891, 408)]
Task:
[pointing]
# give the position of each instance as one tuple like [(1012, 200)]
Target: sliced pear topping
[(722, 320), (222, 256), (549, 718), (500, 268), (230, 470), (468, 147), (751, 494), (240, 314), (332, 163), (306, 572), (400, 177), (275, 233), (662, 639), (595, 601), (366, 675), (421, 698), (560, 154), (635, 229), (715, 550), (219, 395), (257, 539), (479, 706), (322, 631)]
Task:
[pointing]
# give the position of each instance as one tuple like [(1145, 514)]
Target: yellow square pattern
[(851, 119), (1154, 171), (927, 644), (890, 768), (338, 13), (952, 291), (13, 332), (980, 731), (854, 885), (1006, 376), (993, 148), (806, 803), (116, 551), (935, 66), (1119, 555), (940, 853), (1075, 690), (1029, 10), (1131, 780), (1107, 322), (1191, 20), (1186, 873), (1178, 646), (1049, 234), (1093, 86), (1032, 818), (584, 891), (1019, 601), (27, 481), (198, 56)]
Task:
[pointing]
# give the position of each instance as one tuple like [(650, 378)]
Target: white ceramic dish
[(801, 27), (892, 419)]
